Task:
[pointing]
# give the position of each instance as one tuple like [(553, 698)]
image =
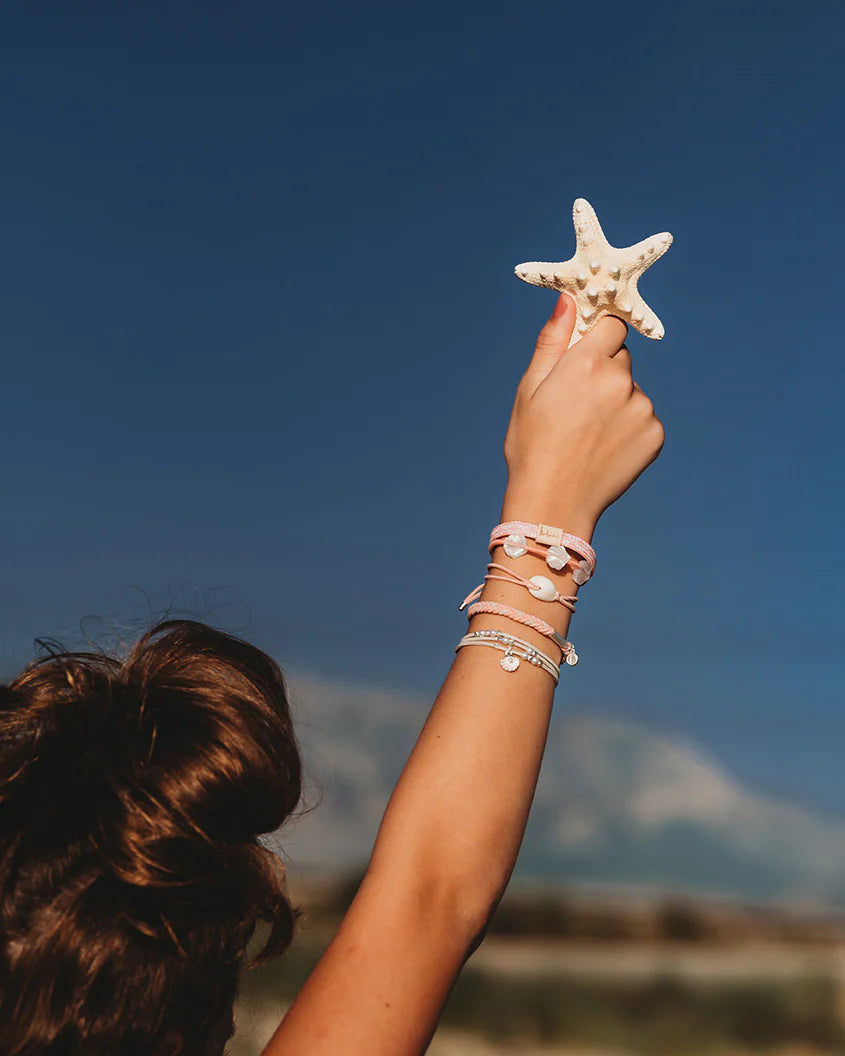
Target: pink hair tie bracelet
[(538, 587), (514, 536)]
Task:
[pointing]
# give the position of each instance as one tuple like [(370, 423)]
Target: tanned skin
[(580, 434)]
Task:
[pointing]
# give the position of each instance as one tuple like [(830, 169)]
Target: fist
[(581, 430)]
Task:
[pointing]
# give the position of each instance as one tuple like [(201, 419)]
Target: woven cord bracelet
[(527, 620)]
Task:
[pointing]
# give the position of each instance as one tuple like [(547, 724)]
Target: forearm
[(579, 435), (458, 813)]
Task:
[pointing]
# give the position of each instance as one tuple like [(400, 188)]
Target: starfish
[(601, 278)]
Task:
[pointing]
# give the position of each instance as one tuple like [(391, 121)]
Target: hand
[(581, 430)]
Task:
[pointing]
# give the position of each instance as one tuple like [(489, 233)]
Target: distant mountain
[(616, 803)]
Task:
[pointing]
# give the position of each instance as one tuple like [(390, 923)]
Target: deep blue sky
[(261, 335)]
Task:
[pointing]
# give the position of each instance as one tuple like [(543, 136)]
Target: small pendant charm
[(516, 546), (572, 658), (509, 662), (557, 557)]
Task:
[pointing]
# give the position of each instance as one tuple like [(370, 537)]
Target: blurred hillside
[(567, 973), (659, 908), (617, 804)]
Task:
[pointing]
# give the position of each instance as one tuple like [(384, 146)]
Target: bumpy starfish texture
[(601, 278)]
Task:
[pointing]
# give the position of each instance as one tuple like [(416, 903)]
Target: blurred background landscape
[(261, 336), (658, 906)]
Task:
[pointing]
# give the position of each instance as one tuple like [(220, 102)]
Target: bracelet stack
[(559, 550), (513, 536)]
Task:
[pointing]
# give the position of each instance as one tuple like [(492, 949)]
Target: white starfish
[(601, 278)]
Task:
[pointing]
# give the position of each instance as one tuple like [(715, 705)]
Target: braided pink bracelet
[(516, 533), (538, 587), (525, 618)]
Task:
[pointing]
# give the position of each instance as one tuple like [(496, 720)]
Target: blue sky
[(261, 336)]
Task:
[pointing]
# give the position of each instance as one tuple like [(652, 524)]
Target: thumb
[(552, 342)]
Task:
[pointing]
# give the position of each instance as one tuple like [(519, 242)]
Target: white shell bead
[(543, 590), (557, 557), (581, 574), (516, 546)]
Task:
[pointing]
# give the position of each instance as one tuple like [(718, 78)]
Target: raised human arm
[(580, 433)]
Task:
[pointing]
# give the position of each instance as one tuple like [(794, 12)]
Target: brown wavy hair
[(132, 793)]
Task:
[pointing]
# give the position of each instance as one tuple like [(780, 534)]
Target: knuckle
[(618, 381), (656, 436), (610, 330), (644, 404), (591, 366), (547, 344)]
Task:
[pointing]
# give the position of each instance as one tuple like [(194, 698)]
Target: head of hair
[(132, 794)]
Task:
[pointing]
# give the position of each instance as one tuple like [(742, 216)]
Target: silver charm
[(509, 662)]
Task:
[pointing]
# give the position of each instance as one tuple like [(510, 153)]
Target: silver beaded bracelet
[(515, 649)]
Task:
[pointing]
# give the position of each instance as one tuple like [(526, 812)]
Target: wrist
[(571, 517)]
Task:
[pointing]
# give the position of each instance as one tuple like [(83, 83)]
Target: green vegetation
[(661, 1017)]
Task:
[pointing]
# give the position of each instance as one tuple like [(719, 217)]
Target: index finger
[(605, 339)]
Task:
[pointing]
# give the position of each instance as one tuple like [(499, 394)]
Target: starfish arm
[(553, 276), (644, 319), (588, 232), (645, 253)]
